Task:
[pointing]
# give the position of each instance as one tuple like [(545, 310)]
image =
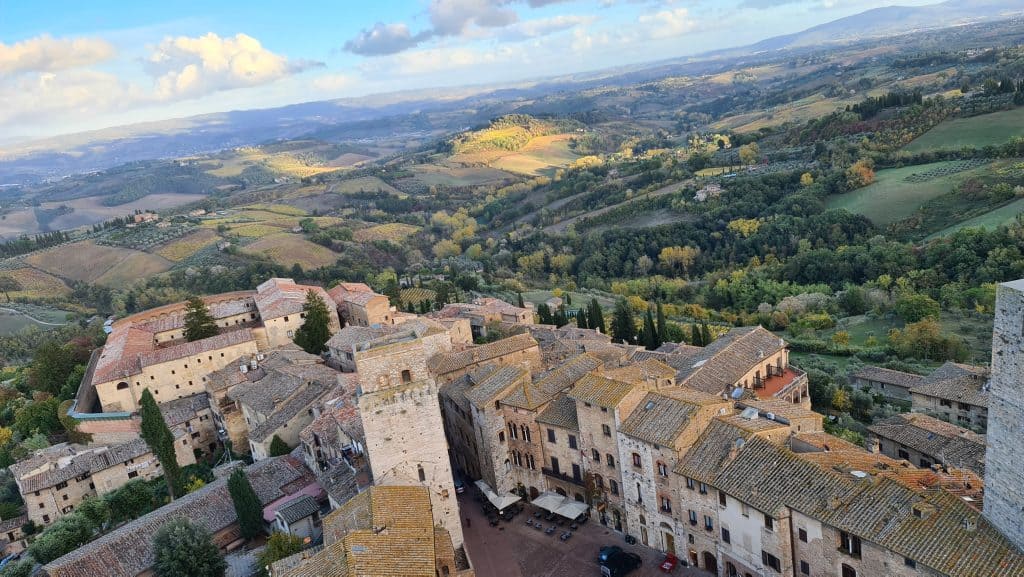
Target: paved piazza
[(514, 549)]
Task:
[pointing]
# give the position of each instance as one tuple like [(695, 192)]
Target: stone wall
[(1004, 474), (406, 445)]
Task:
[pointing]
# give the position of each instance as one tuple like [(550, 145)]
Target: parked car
[(460, 486), (620, 564), (607, 551)]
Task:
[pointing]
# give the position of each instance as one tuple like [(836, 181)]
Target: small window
[(596, 455), (133, 474), (703, 489), (636, 459), (613, 485), (419, 468), (769, 560), (903, 454), (805, 568), (769, 523), (802, 533), (907, 561), (406, 376), (725, 536), (551, 435), (662, 469), (722, 499), (610, 460), (606, 430), (709, 524), (848, 571), (501, 436), (849, 544), (666, 505), (690, 484), (693, 517), (572, 441), (285, 319)]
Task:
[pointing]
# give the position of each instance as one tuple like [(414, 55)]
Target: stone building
[(284, 402), (485, 314), (402, 424), (194, 418), (55, 480), (279, 302), (382, 531), (359, 306), (127, 551), (893, 385), (517, 349), (1004, 473), (565, 464), (956, 393), (664, 424), (925, 441), (287, 362)]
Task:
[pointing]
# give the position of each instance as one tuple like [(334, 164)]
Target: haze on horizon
[(68, 66)]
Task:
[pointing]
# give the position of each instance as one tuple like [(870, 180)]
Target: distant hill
[(889, 21), (511, 133)]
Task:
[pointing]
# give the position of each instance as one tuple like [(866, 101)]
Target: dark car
[(460, 486), (620, 564), (607, 551)]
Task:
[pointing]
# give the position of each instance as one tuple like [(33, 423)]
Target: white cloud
[(668, 23), (45, 53), (545, 26), (189, 67), (333, 82), (385, 39)]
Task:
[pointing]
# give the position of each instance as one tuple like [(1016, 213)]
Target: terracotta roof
[(601, 391), (184, 409), (13, 523), (284, 356), (947, 535), (722, 363), (64, 462), (385, 531), (663, 415), (184, 350), (561, 412), (950, 444), (128, 550), (781, 408), (957, 382), (888, 376), (543, 388), (451, 362), (278, 297)]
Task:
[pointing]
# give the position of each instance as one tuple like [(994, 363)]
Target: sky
[(72, 66)]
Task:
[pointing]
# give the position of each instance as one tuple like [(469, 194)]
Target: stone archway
[(534, 493), (710, 563)]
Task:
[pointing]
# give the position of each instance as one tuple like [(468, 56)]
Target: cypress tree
[(315, 330), (581, 318), (662, 326), (247, 504), (705, 334), (596, 316), (199, 323), (278, 448), (623, 327), (183, 548), (650, 332), (160, 441), (519, 301), (544, 314)]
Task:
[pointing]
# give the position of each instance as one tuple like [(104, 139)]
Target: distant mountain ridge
[(366, 116)]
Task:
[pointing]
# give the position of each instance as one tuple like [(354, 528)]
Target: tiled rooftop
[(561, 412), (956, 382), (451, 362), (724, 362), (883, 375), (955, 446)]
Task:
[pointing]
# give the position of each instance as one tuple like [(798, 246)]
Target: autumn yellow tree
[(750, 153), (861, 174), (806, 179), (678, 257), (446, 248), (744, 226)]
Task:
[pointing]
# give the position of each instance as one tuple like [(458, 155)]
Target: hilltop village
[(711, 455)]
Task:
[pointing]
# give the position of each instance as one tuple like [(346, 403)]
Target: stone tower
[(1004, 471), (401, 414)]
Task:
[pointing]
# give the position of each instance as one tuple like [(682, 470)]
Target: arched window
[(501, 436), (421, 472), (406, 376), (122, 385)]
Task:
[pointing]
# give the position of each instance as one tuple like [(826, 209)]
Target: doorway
[(710, 563)]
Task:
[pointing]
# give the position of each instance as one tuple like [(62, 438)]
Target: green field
[(892, 197), (12, 321), (978, 131), (991, 219)]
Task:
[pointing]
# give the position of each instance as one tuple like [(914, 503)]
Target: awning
[(499, 501), (572, 509), (559, 505), (549, 501)]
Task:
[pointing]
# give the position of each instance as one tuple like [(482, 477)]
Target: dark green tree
[(596, 316), (181, 549), (312, 336), (650, 332), (160, 441), (662, 326), (560, 319), (38, 417), (581, 318), (623, 325), (18, 569), (278, 448), (568, 299), (705, 334), (199, 323), (279, 546), (247, 504), (51, 364), (131, 501), (443, 294), (519, 301), (544, 314)]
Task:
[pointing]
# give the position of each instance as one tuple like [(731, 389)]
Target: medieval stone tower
[(1004, 459), (401, 415)]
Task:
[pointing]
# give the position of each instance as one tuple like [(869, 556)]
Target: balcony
[(562, 476), (788, 384)]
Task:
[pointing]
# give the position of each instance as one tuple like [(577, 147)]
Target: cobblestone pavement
[(514, 549)]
